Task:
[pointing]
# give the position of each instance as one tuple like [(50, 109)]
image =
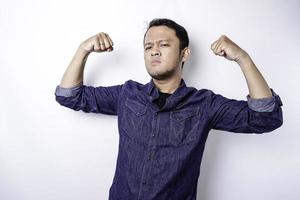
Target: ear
[(185, 54)]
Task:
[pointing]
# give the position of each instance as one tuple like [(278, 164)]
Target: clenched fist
[(227, 48), (98, 43)]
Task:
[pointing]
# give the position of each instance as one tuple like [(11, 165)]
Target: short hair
[(180, 31)]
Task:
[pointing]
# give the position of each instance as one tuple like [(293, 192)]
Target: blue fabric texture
[(160, 150)]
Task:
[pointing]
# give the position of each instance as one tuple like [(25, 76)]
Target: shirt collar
[(151, 85), (174, 100), (153, 92)]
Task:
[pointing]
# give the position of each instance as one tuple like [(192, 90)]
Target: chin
[(161, 76)]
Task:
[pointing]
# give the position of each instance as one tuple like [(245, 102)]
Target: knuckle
[(95, 41), (99, 36)]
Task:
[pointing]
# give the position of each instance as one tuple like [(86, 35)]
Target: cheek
[(171, 53), (146, 60), (146, 57), (173, 57)]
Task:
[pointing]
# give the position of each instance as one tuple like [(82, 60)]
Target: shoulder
[(208, 97), (209, 94), (202, 93), (132, 86)]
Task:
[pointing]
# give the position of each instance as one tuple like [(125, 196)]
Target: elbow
[(276, 124), (278, 119), (279, 122), (61, 100), (273, 122)]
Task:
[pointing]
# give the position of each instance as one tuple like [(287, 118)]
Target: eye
[(149, 47), (165, 45)]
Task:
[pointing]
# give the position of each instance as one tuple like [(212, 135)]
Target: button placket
[(155, 115)]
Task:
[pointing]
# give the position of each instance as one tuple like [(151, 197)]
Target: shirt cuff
[(67, 92), (262, 104)]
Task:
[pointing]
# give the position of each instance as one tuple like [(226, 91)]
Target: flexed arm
[(260, 113), (72, 93), (257, 85), (73, 75)]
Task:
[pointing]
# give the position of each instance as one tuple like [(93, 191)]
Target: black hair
[(180, 31)]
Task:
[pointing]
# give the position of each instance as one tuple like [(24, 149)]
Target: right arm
[(73, 75), (73, 94)]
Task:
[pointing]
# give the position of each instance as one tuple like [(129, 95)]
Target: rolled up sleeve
[(90, 99), (251, 116), (263, 104)]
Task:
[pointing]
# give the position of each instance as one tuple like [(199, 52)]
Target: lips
[(155, 62)]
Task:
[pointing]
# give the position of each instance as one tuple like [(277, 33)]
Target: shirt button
[(144, 182), (152, 135)]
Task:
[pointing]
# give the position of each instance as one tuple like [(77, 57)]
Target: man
[(163, 125)]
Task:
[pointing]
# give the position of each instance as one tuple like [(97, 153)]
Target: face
[(161, 52)]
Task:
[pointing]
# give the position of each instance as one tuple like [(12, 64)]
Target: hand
[(97, 43), (228, 49)]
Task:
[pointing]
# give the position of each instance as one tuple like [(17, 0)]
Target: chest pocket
[(133, 117), (184, 125)]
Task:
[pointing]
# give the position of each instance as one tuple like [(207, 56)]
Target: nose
[(155, 52)]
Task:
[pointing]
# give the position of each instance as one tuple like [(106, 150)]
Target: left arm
[(257, 85), (260, 113)]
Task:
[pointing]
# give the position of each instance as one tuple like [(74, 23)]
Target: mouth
[(155, 62)]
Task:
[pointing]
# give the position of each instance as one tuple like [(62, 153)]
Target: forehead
[(157, 33)]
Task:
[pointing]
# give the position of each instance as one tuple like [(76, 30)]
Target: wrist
[(243, 59), (82, 52)]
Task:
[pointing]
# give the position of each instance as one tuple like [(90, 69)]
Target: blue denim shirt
[(160, 150)]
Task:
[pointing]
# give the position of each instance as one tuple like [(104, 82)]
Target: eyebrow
[(165, 40)]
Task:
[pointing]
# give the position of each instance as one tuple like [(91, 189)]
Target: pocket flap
[(136, 107), (183, 114)]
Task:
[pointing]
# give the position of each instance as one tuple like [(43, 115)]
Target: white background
[(50, 152)]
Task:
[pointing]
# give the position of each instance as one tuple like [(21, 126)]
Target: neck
[(168, 85)]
